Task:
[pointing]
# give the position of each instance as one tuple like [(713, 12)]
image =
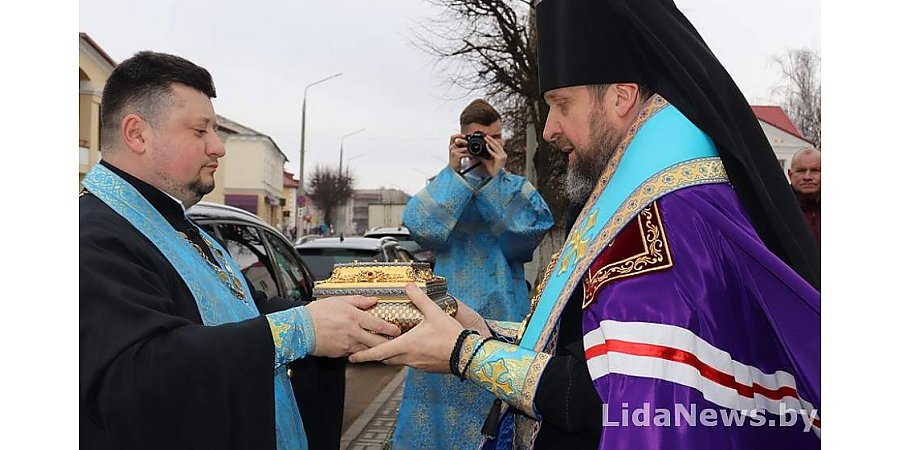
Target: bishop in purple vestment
[(683, 310)]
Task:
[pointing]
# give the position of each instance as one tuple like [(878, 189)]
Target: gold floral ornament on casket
[(387, 282)]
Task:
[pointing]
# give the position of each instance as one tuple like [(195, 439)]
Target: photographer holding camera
[(484, 224), (479, 148)]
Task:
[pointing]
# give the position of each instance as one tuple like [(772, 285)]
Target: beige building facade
[(253, 175), (352, 218), (94, 67)]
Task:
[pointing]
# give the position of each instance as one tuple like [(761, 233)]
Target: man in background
[(806, 181), (484, 224)]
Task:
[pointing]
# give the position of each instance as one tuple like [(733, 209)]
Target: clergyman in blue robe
[(483, 228)]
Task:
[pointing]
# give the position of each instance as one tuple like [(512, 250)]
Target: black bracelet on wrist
[(454, 356), (462, 374)]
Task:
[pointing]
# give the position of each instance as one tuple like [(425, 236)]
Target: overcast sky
[(262, 54)]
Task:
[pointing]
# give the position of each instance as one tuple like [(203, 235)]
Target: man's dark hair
[(142, 85), (480, 112)]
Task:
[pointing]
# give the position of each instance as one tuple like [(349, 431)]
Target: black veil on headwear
[(584, 42)]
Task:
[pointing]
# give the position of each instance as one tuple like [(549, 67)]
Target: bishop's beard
[(587, 165)]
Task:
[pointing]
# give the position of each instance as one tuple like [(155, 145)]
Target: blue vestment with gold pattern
[(483, 233)]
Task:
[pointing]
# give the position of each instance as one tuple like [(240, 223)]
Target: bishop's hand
[(427, 346)]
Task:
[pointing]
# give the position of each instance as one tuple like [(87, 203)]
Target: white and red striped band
[(675, 354)]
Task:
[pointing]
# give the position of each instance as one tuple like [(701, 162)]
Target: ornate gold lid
[(387, 279)]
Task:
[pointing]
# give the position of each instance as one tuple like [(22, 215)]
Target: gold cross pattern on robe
[(278, 332), (496, 377), (577, 248)]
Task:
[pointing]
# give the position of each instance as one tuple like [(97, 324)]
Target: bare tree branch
[(800, 91), (490, 46), (328, 189)]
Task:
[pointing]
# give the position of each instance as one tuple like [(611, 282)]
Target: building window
[(246, 202)]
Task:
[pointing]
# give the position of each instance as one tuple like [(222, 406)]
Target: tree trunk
[(550, 165), (328, 213), (552, 243)]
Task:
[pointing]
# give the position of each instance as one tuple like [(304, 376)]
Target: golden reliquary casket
[(387, 281)]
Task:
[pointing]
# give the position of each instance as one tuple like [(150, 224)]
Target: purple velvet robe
[(720, 323)]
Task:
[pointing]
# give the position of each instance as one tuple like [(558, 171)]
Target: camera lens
[(478, 146)]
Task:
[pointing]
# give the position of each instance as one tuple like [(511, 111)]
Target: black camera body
[(477, 145)]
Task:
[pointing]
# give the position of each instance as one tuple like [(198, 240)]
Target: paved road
[(364, 382)]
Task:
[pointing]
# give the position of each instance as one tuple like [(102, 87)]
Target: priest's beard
[(191, 193), (199, 188), (587, 166)]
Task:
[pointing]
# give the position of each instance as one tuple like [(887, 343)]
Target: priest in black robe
[(174, 352)]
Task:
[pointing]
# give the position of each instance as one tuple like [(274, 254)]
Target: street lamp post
[(351, 159), (302, 180), (341, 160), (442, 160), (352, 214)]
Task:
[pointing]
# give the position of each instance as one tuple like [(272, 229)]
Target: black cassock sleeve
[(570, 409), (151, 376)]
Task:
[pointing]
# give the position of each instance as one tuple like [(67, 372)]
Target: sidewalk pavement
[(375, 425)]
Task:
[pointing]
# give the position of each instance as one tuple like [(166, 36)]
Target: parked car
[(265, 256), (321, 254), (273, 268), (305, 238), (403, 236)]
